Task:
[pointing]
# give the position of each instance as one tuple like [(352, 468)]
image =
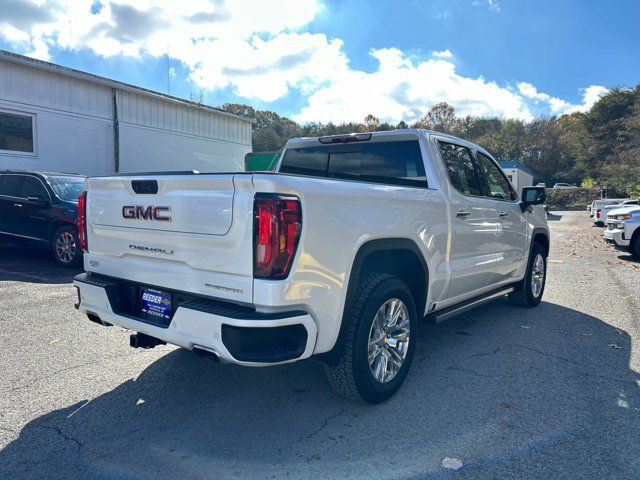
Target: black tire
[(67, 257), (351, 376), (523, 295), (634, 247)]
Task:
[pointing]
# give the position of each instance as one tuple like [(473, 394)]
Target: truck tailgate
[(184, 232), (202, 205)]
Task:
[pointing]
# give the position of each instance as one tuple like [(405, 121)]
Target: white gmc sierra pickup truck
[(337, 255), (623, 229)]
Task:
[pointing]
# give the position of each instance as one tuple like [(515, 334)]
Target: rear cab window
[(391, 163)]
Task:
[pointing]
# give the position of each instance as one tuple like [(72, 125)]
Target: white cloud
[(403, 89), (529, 91), (591, 95), (260, 50), (442, 54), (557, 106)]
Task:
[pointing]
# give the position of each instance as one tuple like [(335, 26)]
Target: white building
[(54, 118), (518, 174)]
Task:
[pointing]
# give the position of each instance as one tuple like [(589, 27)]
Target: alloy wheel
[(537, 275), (389, 338), (66, 249)]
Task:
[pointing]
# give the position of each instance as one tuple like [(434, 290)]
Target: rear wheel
[(529, 292), (379, 340), (66, 247)]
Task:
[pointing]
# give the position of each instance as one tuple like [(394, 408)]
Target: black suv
[(42, 208)]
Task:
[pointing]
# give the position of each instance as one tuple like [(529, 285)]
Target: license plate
[(155, 303)]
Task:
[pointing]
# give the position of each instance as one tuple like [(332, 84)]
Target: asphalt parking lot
[(551, 392)]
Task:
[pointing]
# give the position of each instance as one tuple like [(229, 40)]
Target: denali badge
[(142, 248), (223, 289), (139, 212)]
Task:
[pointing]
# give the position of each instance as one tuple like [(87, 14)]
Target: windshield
[(67, 188)]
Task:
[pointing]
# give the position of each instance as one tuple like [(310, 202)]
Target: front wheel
[(529, 292), (379, 340), (66, 247), (635, 246)]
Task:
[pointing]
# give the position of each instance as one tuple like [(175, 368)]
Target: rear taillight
[(276, 230), (82, 220)]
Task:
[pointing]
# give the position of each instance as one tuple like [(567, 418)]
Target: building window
[(16, 132)]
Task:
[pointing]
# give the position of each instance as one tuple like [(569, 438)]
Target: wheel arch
[(541, 235), (400, 257), (634, 236)]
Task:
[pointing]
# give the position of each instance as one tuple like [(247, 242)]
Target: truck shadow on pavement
[(629, 258), (512, 393), (20, 263)]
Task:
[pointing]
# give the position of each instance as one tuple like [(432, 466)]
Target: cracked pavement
[(551, 392)]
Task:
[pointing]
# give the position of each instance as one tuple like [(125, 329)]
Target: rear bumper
[(235, 334)]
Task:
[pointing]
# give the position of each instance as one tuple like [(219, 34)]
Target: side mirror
[(38, 200), (532, 196)]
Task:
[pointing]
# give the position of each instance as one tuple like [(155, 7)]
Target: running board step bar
[(454, 310)]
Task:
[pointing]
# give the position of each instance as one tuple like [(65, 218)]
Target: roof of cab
[(45, 174), (400, 134)]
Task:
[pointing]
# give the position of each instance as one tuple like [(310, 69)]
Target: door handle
[(17, 204), (504, 214), (462, 214)]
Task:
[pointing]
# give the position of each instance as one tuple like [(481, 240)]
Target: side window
[(32, 187), (16, 132), (460, 168), (494, 182), (10, 185)]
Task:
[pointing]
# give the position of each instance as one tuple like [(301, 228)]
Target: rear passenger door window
[(494, 182), (10, 185), (32, 187), (460, 168)]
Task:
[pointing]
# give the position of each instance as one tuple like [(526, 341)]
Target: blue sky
[(339, 60)]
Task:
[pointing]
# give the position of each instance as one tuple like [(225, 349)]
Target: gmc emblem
[(139, 212)]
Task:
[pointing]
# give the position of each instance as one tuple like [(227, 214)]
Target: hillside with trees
[(599, 148)]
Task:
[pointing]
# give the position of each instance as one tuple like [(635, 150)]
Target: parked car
[(338, 255), (598, 210), (42, 209), (623, 229), (563, 185)]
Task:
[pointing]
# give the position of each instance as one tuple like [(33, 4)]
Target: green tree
[(441, 118)]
